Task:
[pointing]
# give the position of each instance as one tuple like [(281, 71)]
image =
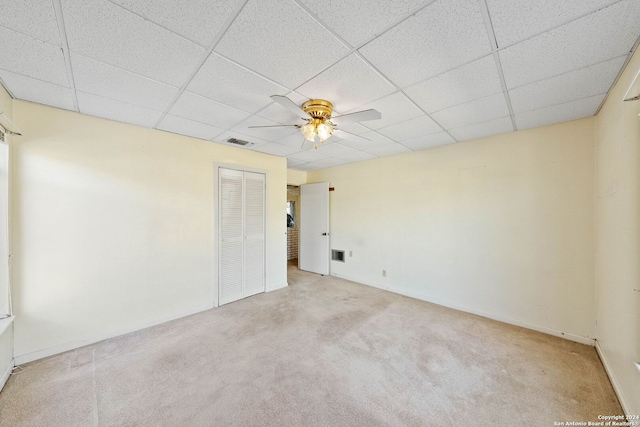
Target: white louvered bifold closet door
[(254, 184), (242, 234)]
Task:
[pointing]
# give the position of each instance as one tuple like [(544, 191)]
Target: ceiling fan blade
[(358, 116), (289, 105), (274, 126), (348, 135)]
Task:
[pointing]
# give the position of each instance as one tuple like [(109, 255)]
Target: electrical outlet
[(384, 273), (350, 254)]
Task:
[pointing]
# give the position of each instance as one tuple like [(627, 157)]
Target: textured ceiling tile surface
[(466, 83), (480, 130), (280, 40), (99, 106), (444, 35), (188, 127), (410, 129), (429, 141), (394, 109), (358, 21), (584, 82), (33, 58), (36, 19), (111, 82), (226, 82), (514, 21), (559, 113), (600, 36), (347, 84), (277, 149), (388, 150), (374, 140), (204, 110), (480, 110), (108, 33), (196, 20), (39, 91)]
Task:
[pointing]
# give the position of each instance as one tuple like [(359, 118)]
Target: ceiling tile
[(347, 84), (356, 156), (393, 108), (195, 20), (308, 156), (281, 41), (106, 108), (514, 21), (413, 128), (481, 110), (334, 150), (36, 19), (188, 127), (268, 134), (375, 140), (277, 149), (559, 113), (472, 81), (327, 163), (293, 140), (291, 163), (388, 150), (226, 82), (204, 110), (592, 80), (356, 21), (600, 36), (444, 35), (33, 58), (429, 141), (106, 80), (480, 130), (104, 31), (38, 91)]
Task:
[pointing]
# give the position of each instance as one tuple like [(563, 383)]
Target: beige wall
[(618, 238), (114, 226), (501, 226), (295, 177)]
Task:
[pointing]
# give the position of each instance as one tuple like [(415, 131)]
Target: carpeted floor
[(322, 352)]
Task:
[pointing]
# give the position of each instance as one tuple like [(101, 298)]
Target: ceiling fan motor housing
[(318, 108)]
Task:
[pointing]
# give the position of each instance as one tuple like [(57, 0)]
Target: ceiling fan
[(319, 124)]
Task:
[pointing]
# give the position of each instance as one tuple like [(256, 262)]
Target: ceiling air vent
[(239, 141)]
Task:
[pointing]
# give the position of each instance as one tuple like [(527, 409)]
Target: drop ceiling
[(440, 71)]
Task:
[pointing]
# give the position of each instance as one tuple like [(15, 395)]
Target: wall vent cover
[(239, 141), (337, 255)]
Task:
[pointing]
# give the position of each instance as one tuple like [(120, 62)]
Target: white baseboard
[(544, 329), (6, 374), (278, 286), (41, 354), (612, 378)]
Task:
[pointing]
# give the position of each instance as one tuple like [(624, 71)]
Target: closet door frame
[(216, 222)]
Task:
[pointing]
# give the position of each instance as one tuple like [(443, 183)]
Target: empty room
[(461, 181)]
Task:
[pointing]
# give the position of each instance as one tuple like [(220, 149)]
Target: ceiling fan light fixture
[(309, 131), (324, 131)]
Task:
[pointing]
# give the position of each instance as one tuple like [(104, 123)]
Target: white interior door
[(313, 247), (242, 234)]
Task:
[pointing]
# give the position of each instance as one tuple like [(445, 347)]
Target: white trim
[(544, 329), (41, 354), (278, 286), (7, 374), (612, 379)]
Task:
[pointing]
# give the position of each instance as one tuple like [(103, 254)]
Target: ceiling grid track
[(57, 7), (484, 9), (204, 58)]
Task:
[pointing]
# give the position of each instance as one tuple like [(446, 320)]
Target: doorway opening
[(293, 216)]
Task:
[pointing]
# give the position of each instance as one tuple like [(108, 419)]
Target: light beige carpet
[(322, 352)]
